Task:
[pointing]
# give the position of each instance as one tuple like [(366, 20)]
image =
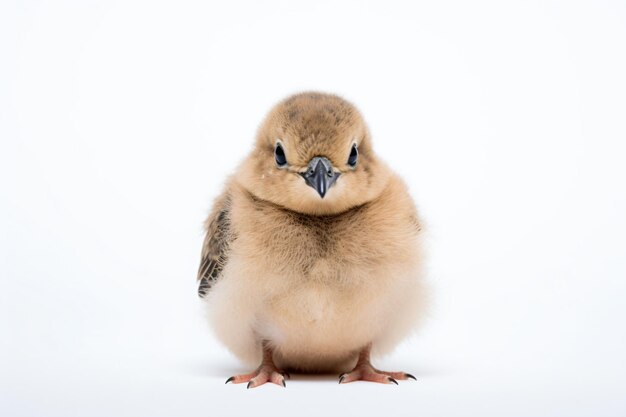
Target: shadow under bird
[(312, 260)]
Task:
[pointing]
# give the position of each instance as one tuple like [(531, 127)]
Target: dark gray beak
[(320, 175)]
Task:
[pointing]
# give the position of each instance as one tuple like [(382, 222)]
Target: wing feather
[(215, 248)]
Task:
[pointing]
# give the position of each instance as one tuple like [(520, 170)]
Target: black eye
[(279, 155), (354, 155)]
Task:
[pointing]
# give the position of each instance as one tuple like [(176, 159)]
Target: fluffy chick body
[(317, 279)]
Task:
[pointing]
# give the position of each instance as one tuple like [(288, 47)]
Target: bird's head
[(313, 155)]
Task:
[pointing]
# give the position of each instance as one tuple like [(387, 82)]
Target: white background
[(120, 120)]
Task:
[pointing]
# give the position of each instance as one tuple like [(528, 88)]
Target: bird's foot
[(366, 372), (264, 373)]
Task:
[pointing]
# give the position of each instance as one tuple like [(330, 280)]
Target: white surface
[(120, 120)]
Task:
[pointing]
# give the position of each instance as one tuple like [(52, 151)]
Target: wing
[(216, 242)]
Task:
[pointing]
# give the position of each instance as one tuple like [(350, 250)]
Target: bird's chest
[(320, 282), (303, 247)]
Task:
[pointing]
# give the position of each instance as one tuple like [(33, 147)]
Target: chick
[(312, 259)]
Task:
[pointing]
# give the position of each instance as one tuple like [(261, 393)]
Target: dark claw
[(343, 375), (249, 383), (341, 378), (284, 384), (232, 378), (411, 376), (392, 380)]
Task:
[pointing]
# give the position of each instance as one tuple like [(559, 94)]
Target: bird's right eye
[(279, 155)]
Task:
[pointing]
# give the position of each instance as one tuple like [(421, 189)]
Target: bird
[(313, 258)]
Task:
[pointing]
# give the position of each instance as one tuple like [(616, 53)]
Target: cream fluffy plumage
[(312, 281)]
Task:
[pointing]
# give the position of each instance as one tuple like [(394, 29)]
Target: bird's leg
[(364, 371), (266, 372)]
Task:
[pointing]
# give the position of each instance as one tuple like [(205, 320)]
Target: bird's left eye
[(279, 155), (354, 155)]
